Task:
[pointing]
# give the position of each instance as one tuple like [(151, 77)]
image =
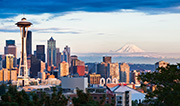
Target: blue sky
[(95, 25)]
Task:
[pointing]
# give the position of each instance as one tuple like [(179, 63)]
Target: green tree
[(2, 89), (84, 99), (167, 81)]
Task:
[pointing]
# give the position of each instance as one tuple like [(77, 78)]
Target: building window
[(100, 97), (112, 98), (119, 102), (107, 102), (95, 97)]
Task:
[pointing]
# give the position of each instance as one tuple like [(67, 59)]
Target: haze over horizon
[(95, 26)]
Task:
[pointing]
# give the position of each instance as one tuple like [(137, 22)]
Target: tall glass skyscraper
[(10, 48), (51, 52), (40, 52), (29, 43), (67, 54)]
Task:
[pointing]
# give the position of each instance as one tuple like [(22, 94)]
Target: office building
[(92, 67), (62, 56), (51, 52), (64, 69), (102, 70), (76, 62), (9, 58), (124, 73), (10, 48), (58, 57), (42, 75), (86, 69), (161, 64), (40, 52), (6, 75), (65, 56), (94, 78), (74, 57), (1, 62), (36, 66), (135, 75), (107, 59), (74, 82), (80, 70), (29, 44), (29, 62), (113, 69), (10, 42), (68, 50)]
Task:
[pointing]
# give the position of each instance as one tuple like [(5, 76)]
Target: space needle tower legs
[(23, 78)]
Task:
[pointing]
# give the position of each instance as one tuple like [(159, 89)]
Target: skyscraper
[(36, 66), (29, 43), (102, 70), (58, 57), (10, 42), (80, 70), (107, 59), (65, 56), (40, 52), (1, 63), (10, 48), (92, 67), (64, 69), (51, 52), (124, 73), (77, 65), (113, 69), (68, 51), (9, 61), (6, 75)]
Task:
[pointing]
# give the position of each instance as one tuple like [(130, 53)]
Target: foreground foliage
[(21, 98), (84, 99), (15, 98), (167, 82)]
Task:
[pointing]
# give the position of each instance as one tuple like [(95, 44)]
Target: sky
[(95, 26)]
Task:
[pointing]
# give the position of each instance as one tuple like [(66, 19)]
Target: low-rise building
[(75, 82)]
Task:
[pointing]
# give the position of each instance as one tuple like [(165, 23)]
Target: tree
[(167, 81), (2, 89), (84, 99)]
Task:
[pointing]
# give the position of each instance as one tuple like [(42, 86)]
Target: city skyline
[(153, 26)]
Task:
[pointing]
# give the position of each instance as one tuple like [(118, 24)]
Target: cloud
[(43, 30), (9, 8), (55, 30), (74, 19), (8, 30)]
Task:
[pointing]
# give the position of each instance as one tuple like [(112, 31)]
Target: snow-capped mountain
[(129, 48)]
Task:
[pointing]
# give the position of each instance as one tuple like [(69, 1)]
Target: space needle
[(23, 78)]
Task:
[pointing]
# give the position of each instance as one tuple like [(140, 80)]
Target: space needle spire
[(23, 78)]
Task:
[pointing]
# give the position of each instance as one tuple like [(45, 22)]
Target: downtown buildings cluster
[(115, 80)]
